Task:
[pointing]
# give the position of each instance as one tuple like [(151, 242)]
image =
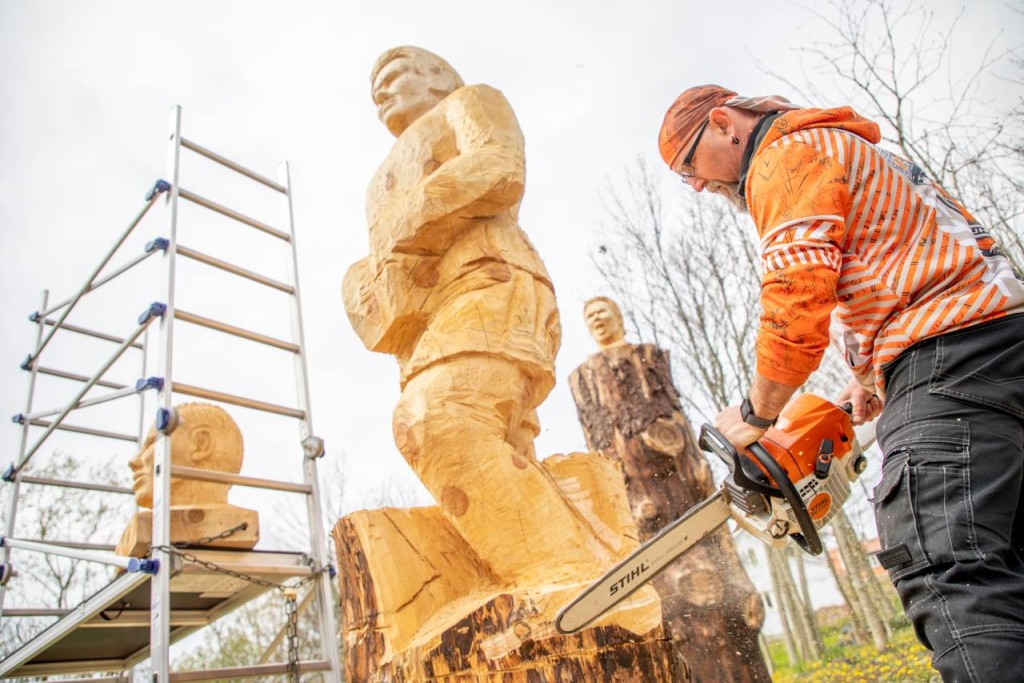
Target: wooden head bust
[(604, 320), (206, 438)]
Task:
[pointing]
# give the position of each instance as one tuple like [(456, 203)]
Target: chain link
[(292, 615), (290, 593), (206, 540)]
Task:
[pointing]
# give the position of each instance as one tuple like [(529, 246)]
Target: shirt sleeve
[(798, 196)]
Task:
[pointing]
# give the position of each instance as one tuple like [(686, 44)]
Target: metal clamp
[(151, 566), (155, 310), (9, 473), (166, 420), (313, 447), (149, 383), (7, 572), (160, 243), (158, 187), (27, 363)]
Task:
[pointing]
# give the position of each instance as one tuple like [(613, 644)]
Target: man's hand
[(740, 434), (866, 405)]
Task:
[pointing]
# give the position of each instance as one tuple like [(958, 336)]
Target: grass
[(905, 661)]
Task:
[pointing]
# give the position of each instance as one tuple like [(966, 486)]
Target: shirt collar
[(756, 136)]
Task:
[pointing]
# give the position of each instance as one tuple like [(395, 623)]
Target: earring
[(735, 140)]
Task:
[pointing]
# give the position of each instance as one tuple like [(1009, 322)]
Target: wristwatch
[(751, 418)]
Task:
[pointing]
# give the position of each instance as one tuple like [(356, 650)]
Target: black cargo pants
[(949, 506)]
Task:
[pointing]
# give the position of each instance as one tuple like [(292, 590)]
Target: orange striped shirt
[(859, 245)]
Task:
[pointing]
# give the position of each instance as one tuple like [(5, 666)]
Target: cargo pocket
[(901, 548), (923, 502)]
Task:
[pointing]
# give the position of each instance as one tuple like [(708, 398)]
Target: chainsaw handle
[(713, 441), (809, 539)]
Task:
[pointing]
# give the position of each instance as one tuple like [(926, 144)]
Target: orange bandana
[(691, 109), (685, 116)]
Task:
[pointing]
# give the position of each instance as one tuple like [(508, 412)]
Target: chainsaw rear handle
[(715, 442)]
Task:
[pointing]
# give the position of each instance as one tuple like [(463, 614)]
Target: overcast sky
[(86, 89)]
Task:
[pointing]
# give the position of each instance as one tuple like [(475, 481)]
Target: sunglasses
[(686, 169)]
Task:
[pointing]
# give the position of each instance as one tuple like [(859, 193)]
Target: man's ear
[(720, 122), (202, 445)]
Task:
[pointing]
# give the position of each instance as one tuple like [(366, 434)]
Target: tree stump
[(630, 410), (418, 603)]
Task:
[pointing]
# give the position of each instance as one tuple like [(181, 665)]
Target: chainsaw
[(785, 486)]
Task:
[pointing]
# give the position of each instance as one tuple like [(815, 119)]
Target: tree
[(940, 110), (54, 514)]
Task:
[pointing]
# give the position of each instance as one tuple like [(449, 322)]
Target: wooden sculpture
[(629, 409), (206, 438), (454, 290)]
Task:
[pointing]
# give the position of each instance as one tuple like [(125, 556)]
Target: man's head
[(604, 320), (406, 82), (704, 134), (206, 438)]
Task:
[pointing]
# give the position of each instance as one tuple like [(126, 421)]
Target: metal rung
[(69, 550), (86, 430), (93, 333), (135, 618), (92, 679), (105, 547), (98, 283), (78, 378), (86, 402), (36, 612), (238, 168), (236, 331), (236, 270), (230, 213), (234, 400), (86, 486), (196, 474), (308, 666)]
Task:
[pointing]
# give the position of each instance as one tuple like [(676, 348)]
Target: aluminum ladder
[(152, 580)]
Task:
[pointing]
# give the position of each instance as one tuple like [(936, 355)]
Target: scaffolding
[(159, 599)]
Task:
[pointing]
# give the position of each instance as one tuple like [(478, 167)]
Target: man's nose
[(379, 95), (698, 184)]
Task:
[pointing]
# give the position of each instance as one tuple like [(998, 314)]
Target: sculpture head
[(604, 320), (407, 82), (206, 438)]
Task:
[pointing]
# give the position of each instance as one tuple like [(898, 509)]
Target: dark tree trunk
[(629, 409)]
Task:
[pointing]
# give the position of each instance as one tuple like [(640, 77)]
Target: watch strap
[(751, 418)]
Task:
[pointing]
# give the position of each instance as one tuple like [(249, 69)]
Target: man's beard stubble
[(731, 192)]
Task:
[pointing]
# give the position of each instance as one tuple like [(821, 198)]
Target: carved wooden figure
[(629, 409), (454, 290), (206, 438)]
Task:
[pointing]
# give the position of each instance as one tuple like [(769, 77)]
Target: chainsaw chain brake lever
[(744, 474)]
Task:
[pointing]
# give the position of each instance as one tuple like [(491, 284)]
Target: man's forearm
[(769, 398)]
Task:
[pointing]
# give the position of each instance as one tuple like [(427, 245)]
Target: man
[(928, 314), (455, 291)]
